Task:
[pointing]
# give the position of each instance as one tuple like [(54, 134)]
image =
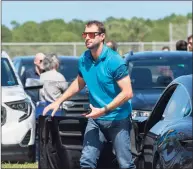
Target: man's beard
[(94, 46)]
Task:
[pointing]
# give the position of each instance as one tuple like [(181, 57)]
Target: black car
[(164, 140), (69, 68), (168, 141), (151, 72)]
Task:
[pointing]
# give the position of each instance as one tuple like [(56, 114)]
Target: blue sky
[(23, 11)]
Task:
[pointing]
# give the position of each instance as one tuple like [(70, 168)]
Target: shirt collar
[(102, 56)]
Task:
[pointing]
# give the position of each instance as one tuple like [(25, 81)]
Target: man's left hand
[(95, 112)]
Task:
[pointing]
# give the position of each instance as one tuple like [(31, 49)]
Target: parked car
[(68, 65), (163, 140), (69, 68), (17, 116), (151, 72), (168, 141)]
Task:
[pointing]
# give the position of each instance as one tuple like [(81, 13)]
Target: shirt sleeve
[(121, 72), (117, 67), (79, 66)]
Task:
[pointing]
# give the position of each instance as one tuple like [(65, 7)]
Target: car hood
[(12, 93), (145, 99), (82, 95)]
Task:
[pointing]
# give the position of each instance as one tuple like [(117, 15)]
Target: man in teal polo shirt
[(106, 76)]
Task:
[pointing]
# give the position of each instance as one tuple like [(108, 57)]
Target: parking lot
[(101, 89)]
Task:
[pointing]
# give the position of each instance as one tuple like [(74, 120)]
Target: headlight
[(139, 113), (22, 105)]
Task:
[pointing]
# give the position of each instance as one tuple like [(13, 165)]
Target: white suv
[(17, 117)]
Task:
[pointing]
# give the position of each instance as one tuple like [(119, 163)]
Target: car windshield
[(152, 73), (8, 77)]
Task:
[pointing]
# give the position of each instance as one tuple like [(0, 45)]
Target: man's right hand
[(53, 106)]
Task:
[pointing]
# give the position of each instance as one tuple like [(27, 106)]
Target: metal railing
[(77, 48)]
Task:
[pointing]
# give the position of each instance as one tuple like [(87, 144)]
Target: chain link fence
[(76, 48)]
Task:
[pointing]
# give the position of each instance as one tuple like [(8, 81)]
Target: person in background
[(165, 48), (189, 45), (54, 83), (164, 70), (106, 75), (181, 45), (33, 73), (112, 45)]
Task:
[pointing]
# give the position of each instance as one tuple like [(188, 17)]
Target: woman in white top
[(54, 83)]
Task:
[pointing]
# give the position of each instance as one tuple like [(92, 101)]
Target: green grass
[(15, 165)]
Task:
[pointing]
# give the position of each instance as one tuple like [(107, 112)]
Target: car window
[(16, 65), (8, 77), (69, 68), (157, 73), (178, 107), (26, 65)]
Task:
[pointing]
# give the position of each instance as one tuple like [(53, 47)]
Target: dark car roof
[(186, 81), (25, 58), (157, 54)]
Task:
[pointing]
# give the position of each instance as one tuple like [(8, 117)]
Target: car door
[(61, 140), (167, 112), (154, 118)]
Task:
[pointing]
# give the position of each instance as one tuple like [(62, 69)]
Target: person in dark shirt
[(181, 45), (33, 73)]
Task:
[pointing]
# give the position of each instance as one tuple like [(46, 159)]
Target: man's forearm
[(121, 98), (74, 88)]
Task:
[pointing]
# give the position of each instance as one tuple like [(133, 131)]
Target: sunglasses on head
[(91, 35)]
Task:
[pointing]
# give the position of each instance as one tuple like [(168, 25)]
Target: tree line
[(118, 29)]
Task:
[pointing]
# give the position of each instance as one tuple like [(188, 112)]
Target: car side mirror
[(32, 83)]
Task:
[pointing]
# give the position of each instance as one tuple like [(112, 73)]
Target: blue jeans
[(99, 131)]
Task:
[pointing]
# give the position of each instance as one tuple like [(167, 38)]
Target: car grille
[(3, 115), (76, 105)]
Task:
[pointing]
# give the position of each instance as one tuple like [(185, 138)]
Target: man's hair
[(165, 47), (50, 62), (189, 37), (113, 45), (181, 45), (99, 24)]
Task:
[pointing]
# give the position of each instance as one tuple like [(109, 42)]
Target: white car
[(17, 116)]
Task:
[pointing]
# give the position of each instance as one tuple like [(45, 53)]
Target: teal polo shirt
[(101, 78)]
